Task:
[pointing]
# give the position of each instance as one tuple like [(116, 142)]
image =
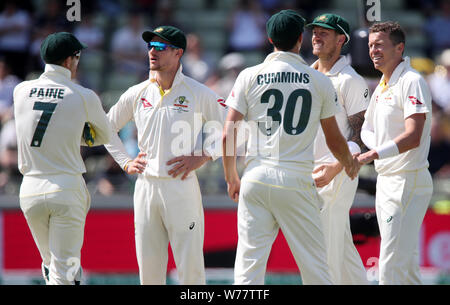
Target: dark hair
[(396, 34), (285, 45)]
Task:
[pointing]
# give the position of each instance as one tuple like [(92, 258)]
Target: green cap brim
[(327, 26), (148, 36), (323, 25)]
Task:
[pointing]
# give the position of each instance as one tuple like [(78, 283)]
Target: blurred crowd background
[(224, 37)]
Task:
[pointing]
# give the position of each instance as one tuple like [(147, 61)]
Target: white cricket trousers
[(401, 203), (270, 199), (169, 210), (56, 220), (346, 267)]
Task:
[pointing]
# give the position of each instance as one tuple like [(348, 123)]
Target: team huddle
[(318, 123)]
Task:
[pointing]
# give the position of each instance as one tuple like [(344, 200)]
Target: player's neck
[(327, 62), (165, 78), (387, 73)]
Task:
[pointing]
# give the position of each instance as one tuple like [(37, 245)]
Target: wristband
[(387, 150), (126, 166)]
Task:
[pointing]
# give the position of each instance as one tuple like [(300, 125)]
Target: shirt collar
[(59, 70), (284, 56), (404, 64), (340, 64)]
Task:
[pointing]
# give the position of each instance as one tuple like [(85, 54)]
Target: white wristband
[(387, 150)]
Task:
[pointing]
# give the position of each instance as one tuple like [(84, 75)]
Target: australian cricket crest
[(181, 104)]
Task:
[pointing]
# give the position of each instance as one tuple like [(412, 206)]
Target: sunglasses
[(160, 46)]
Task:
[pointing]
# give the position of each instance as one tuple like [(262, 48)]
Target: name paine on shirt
[(53, 93), (282, 77)]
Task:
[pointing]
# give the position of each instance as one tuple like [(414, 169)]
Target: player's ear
[(66, 63), (400, 47), (342, 39), (180, 52)]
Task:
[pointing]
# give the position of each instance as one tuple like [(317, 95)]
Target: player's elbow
[(415, 141), (228, 142)]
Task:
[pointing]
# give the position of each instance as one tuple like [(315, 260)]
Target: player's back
[(50, 114), (292, 98)]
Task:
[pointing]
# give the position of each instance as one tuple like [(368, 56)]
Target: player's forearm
[(340, 151), (229, 163), (229, 151), (229, 168), (117, 150), (407, 141)]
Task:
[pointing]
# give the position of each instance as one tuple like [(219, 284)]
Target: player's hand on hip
[(137, 165), (325, 173), (186, 164), (234, 188)]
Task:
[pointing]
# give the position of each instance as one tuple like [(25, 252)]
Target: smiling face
[(326, 42), (165, 60), (384, 53)]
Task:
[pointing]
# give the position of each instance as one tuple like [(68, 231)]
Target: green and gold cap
[(333, 22), (59, 46), (285, 25), (167, 32)]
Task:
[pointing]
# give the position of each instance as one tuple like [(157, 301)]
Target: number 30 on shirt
[(274, 112)]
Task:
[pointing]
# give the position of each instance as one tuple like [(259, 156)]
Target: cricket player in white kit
[(329, 33), (50, 115), (287, 99), (397, 129), (169, 109)]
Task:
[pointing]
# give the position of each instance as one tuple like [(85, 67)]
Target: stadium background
[(223, 38)]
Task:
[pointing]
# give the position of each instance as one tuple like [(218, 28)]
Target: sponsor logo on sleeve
[(414, 100), (221, 101)]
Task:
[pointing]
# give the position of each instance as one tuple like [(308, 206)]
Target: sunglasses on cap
[(160, 46)]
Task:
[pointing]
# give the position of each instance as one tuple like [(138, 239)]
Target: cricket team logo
[(181, 104)]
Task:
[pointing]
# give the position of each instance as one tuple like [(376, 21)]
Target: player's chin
[(154, 65), (316, 51)]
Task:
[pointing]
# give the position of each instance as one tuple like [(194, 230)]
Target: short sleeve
[(123, 111), (214, 112), (417, 98), (237, 99), (97, 117), (330, 105), (356, 95)]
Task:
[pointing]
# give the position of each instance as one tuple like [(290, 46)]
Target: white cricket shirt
[(50, 113), (283, 99), (405, 94), (169, 124), (353, 97)]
